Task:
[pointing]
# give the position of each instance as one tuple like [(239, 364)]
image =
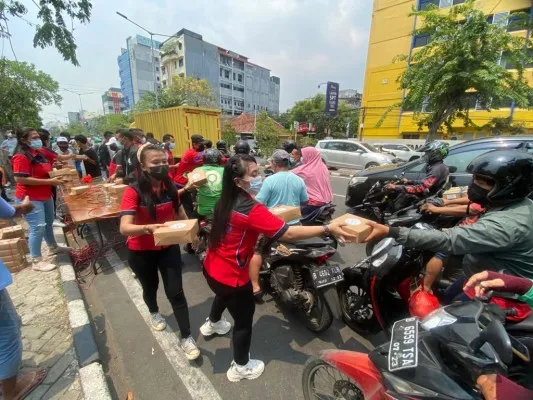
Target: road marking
[(341, 177), (194, 380)]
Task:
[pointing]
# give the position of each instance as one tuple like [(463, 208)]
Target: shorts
[(10, 341)]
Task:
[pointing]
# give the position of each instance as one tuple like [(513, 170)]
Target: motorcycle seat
[(523, 326), (312, 242)]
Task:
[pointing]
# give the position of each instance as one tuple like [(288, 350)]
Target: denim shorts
[(10, 341)]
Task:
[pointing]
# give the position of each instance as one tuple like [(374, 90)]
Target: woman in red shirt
[(238, 221), (31, 166), (146, 205)]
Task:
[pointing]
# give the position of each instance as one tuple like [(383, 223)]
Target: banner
[(332, 98)]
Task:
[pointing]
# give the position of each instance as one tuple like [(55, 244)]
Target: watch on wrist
[(326, 230)]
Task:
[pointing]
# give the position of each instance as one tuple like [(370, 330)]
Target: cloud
[(304, 42)]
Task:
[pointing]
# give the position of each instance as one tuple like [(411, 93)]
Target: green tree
[(52, 29), (502, 126), (182, 91), (462, 65), (267, 134), (77, 128), (24, 91), (229, 135), (110, 122)]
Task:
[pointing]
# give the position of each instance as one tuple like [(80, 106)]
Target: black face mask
[(159, 173), (476, 194), (200, 148)]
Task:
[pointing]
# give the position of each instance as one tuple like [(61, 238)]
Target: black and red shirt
[(190, 160), (33, 164), (436, 175), (133, 204), (229, 262)]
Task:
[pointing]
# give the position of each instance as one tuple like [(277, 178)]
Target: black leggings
[(240, 303), (145, 264)]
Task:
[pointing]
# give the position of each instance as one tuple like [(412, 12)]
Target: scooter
[(300, 276), (439, 357)]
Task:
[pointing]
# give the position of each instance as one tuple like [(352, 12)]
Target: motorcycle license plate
[(403, 350), (326, 275)]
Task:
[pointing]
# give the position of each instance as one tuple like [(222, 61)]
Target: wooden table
[(94, 205)]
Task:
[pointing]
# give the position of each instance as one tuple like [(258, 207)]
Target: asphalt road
[(147, 363)]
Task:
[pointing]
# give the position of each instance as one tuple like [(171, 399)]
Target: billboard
[(332, 99)]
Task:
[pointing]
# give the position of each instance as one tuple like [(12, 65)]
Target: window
[(157, 78), (461, 160), (157, 69), (351, 147), (421, 40), (226, 74), (455, 2), (517, 22), (163, 69), (181, 62), (110, 108), (156, 59), (240, 78), (322, 145), (225, 85), (234, 76), (417, 167), (175, 64), (180, 46), (335, 146), (425, 4), (238, 89)]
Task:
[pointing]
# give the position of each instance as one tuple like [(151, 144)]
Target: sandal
[(40, 376)]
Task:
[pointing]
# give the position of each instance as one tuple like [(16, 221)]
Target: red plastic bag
[(87, 179), (421, 303)]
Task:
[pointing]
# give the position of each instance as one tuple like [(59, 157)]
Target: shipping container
[(181, 122)]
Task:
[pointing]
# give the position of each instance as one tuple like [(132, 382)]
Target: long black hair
[(144, 184), (236, 167), (23, 134)]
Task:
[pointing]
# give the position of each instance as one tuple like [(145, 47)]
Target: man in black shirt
[(91, 164), (127, 160)]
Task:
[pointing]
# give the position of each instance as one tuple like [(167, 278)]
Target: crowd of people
[(496, 232)]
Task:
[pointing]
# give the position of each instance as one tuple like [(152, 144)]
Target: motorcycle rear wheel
[(335, 384), (320, 318)]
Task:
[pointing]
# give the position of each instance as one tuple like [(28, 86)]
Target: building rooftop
[(245, 123)]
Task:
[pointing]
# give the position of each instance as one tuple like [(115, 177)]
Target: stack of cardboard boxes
[(13, 248), (68, 175)]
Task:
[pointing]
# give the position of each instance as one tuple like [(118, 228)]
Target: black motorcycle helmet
[(242, 147), (221, 145), (289, 146), (510, 170), (212, 157), (435, 151)]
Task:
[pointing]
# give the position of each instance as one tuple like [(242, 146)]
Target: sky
[(304, 42)]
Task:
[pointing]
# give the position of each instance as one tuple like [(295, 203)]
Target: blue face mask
[(255, 185), (171, 146), (36, 144), (292, 160)]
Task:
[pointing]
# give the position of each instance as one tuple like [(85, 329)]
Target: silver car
[(344, 153), (400, 151)]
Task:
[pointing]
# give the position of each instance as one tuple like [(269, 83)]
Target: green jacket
[(502, 238)]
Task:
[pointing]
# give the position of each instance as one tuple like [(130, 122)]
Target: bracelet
[(326, 230)]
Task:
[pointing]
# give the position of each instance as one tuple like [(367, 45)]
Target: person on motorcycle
[(281, 188), (296, 158), (492, 385), (436, 175), (223, 148), (209, 193), (241, 147), (502, 238)]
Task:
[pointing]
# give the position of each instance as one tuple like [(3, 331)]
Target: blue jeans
[(40, 221), (10, 342)]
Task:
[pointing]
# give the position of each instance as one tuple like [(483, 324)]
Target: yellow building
[(392, 34)]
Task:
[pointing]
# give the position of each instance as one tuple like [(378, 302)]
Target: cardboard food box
[(12, 247), (64, 172), (106, 186), (286, 213), (355, 225), (11, 232), (4, 223), (456, 192), (177, 232), (117, 189), (16, 266), (76, 190), (197, 177)]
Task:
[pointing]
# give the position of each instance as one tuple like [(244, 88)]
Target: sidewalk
[(46, 334)]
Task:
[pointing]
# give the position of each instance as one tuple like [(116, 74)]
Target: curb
[(93, 381)]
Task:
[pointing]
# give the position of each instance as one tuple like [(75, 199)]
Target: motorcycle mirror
[(496, 335)]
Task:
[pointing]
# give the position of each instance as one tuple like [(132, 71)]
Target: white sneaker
[(220, 328), (188, 345), (252, 370), (57, 223), (43, 266), (158, 322)]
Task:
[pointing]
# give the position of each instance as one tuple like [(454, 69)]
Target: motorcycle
[(439, 357), (200, 247), (300, 276), (320, 216)]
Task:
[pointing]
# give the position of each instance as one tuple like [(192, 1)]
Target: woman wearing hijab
[(316, 178)]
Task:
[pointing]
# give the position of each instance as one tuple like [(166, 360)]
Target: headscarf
[(315, 175)]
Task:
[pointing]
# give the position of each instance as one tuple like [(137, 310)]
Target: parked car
[(345, 153), (398, 150), (458, 159)]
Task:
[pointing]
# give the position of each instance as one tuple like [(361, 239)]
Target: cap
[(280, 156), (197, 139), (61, 139), (111, 141)]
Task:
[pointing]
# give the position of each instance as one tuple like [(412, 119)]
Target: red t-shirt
[(229, 262), (170, 157), (190, 160), (132, 204), (33, 164), (50, 155)]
